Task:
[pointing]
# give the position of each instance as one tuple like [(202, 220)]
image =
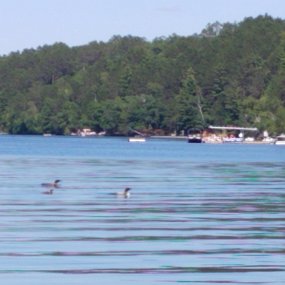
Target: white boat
[(87, 132), (280, 140), (232, 140), (195, 139), (136, 139)]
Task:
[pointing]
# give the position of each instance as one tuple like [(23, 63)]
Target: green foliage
[(188, 109), (229, 74)]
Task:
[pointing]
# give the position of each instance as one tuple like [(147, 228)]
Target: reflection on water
[(186, 221)]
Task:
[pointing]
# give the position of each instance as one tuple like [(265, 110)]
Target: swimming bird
[(126, 193), (48, 192), (54, 184)]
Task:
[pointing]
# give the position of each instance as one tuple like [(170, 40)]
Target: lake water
[(198, 213)]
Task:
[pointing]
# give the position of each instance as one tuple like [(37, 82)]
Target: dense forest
[(229, 74)]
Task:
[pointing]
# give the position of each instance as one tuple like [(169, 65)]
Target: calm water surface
[(198, 214)]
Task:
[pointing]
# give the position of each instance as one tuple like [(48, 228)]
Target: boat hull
[(233, 140), (195, 140), (280, 140), (136, 140)]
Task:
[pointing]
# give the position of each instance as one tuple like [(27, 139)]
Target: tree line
[(229, 74)]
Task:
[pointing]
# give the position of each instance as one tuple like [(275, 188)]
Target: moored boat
[(136, 139), (195, 135), (233, 140), (195, 139), (280, 140)]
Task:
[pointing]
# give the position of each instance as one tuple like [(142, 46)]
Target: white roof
[(233, 128)]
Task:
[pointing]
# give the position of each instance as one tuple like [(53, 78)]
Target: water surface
[(198, 214)]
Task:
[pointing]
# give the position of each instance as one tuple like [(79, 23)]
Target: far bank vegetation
[(229, 74)]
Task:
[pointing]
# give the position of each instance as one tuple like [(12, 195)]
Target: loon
[(54, 184), (48, 192), (126, 193)]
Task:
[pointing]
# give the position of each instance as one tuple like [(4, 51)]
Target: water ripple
[(185, 222)]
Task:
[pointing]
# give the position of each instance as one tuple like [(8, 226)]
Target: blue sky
[(33, 23)]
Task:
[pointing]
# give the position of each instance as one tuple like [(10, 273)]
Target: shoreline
[(210, 142), (182, 138)]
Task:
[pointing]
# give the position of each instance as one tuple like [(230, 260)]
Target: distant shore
[(211, 142), (165, 137)]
